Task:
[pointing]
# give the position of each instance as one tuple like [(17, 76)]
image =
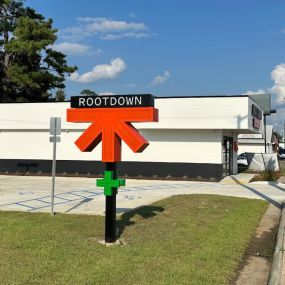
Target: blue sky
[(172, 48)]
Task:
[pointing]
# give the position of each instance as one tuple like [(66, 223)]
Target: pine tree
[(88, 92), (29, 67), (60, 95)]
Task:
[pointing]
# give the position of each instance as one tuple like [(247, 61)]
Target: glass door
[(227, 156)]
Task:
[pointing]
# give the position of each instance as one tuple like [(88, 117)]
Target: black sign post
[(110, 213), (98, 112)]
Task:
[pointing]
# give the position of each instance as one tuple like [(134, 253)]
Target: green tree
[(88, 92), (29, 67), (60, 95)]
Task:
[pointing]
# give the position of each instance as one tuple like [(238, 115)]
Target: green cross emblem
[(109, 183)]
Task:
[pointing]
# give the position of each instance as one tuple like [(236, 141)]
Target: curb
[(275, 273), (232, 182), (267, 183)]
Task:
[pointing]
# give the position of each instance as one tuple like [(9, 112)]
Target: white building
[(255, 143), (194, 138)]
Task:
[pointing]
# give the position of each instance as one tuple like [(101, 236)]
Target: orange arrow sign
[(111, 125)]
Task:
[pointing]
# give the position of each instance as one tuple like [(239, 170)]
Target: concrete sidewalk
[(80, 195), (241, 178)]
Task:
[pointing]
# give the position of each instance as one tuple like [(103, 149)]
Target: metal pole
[(110, 214), (265, 133), (53, 168), (284, 133)]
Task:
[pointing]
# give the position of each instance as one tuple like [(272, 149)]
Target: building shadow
[(263, 196), (240, 119), (277, 187), (145, 212)]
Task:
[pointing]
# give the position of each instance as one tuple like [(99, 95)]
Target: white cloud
[(112, 37), (278, 88), (75, 48), (278, 95), (278, 76), (105, 28), (107, 25), (102, 71), (160, 79), (259, 91), (106, 93), (73, 34)]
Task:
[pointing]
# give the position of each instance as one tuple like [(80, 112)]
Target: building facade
[(255, 143), (195, 138)]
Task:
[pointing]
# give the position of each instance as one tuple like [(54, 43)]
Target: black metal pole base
[(110, 213)]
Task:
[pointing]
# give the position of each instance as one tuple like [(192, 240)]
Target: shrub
[(266, 175)]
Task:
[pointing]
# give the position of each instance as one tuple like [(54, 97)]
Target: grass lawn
[(195, 239)]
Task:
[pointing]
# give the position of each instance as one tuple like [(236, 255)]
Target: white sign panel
[(250, 136), (55, 126)]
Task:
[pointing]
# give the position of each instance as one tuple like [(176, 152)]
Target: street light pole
[(284, 132), (264, 118), (265, 133)]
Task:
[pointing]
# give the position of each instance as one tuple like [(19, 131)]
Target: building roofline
[(156, 97), (200, 96)]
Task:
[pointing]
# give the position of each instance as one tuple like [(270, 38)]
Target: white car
[(281, 154), (242, 160)]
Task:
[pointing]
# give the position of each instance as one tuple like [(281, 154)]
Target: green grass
[(197, 239)]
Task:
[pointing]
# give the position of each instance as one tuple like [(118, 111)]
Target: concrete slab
[(241, 178), (81, 196)]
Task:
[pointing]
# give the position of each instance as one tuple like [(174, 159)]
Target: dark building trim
[(156, 97), (187, 171), (201, 96)]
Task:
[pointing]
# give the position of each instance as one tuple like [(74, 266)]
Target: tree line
[(30, 69)]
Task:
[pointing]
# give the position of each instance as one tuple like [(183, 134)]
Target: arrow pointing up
[(111, 125)]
